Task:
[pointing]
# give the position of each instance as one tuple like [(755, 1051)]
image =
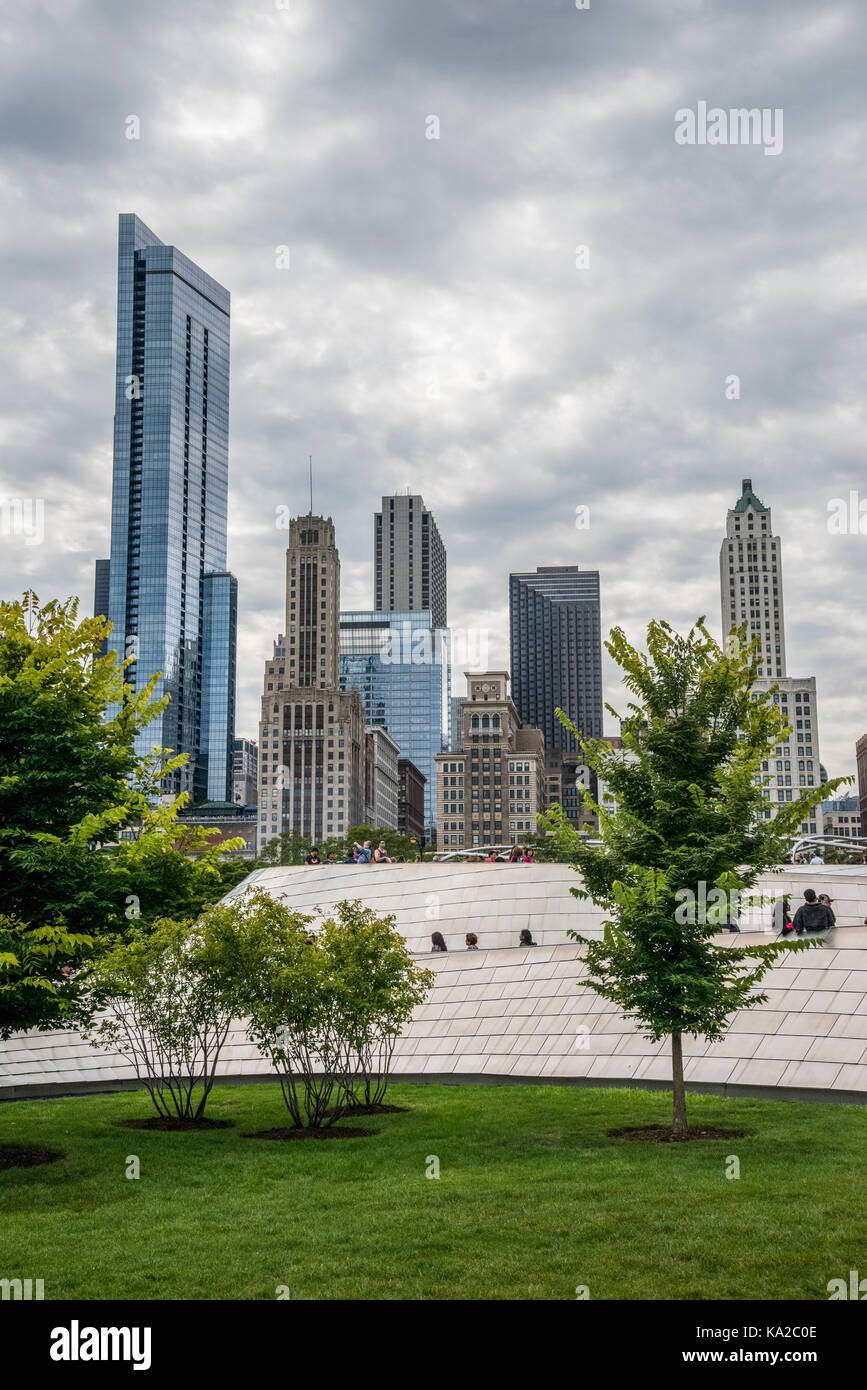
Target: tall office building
[(556, 651), (751, 578), (171, 600), (311, 736), (398, 662), (751, 591), (409, 559)]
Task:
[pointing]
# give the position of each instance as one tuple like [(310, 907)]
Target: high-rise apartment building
[(492, 792), (409, 559), (556, 651), (751, 582), (751, 579), (312, 749), (398, 663), (166, 589)]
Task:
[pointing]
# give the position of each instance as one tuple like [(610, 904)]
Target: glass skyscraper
[(399, 663), (556, 649), (171, 600)]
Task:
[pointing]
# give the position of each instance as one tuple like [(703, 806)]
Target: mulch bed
[(312, 1133), (661, 1134), (373, 1110), (159, 1122), (26, 1156)]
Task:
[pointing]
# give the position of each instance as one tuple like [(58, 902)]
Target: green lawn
[(533, 1200)]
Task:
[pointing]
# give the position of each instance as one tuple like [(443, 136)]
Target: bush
[(325, 1002), (168, 1012)]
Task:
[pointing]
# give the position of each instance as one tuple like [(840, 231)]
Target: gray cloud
[(433, 329)]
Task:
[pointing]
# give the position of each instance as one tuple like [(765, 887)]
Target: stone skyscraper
[(409, 559), (311, 734), (751, 582), (172, 602), (556, 651), (751, 578)]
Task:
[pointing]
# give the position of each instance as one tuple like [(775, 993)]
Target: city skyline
[(429, 323)]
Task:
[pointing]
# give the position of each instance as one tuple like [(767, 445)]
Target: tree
[(168, 1010), (69, 780), (70, 783), (691, 823), (288, 848), (39, 981)]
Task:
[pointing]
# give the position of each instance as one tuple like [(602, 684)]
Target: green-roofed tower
[(751, 578)]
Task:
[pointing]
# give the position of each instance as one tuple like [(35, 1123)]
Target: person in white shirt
[(817, 858)]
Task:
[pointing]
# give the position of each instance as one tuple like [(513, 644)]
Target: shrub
[(168, 1012)]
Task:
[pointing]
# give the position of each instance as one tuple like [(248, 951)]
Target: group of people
[(814, 914), (359, 854), (472, 941)]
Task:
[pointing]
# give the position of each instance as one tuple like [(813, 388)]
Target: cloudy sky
[(438, 327)]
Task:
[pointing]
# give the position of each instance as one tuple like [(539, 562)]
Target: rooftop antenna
[(311, 484)]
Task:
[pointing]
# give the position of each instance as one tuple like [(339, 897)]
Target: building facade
[(456, 724), (398, 662), (171, 600), (751, 579), (245, 772), (492, 792), (751, 583), (312, 748), (410, 800), (229, 820), (381, 780), (843, 818), (409, 559), (556, 651), (861, 764)]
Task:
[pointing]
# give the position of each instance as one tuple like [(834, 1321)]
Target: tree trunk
[(679, 1127)]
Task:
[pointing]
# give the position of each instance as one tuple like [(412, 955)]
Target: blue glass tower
[(171, 600), (399, 664)]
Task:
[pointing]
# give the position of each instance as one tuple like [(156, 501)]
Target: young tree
[(689, 787)]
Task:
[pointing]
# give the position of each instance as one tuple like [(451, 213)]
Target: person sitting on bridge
[(438, 941), (826, 901), (472, 941), (812, 915), (526, 938)]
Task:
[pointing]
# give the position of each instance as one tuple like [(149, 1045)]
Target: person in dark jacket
[(812, 915), (823, 898), (437, 941)]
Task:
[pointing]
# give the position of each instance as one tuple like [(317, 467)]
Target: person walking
[(312, 856), (515, 854), (817, 858), (438, 941)]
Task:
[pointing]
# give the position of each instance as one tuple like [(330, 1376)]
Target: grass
[(533, 1199)]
